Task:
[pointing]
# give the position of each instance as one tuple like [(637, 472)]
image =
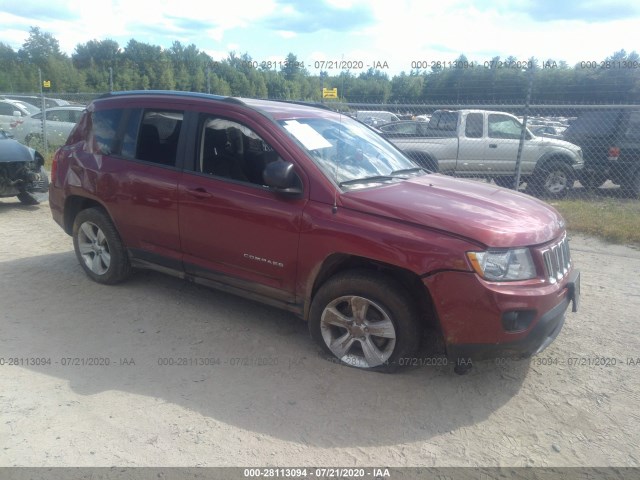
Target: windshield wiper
[(408, 170), (373, 179)]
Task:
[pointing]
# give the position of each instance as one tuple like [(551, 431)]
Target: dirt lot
[(563, 408)]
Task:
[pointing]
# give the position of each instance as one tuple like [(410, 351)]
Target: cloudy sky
[(393, 31)]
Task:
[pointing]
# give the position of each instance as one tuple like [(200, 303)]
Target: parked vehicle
[(311, 211), (21, 171), (405, 128), (481, 143), (376, 117), (36, 101), (12, 111), (547, 131), (59, 123), (610, 140)]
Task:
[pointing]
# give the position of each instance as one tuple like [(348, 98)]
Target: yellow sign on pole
[(46, 84), (329, 93)]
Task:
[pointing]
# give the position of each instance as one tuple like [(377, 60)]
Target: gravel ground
[(267, 397)]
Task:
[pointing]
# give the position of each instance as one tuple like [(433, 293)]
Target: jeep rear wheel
[(365, 321), (98, 247)]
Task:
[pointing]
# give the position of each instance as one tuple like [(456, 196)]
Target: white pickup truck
[(481, 143)]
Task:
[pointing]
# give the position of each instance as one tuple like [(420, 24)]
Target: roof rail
[(124, 93)]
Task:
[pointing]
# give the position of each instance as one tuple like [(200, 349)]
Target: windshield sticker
[(306, 135)]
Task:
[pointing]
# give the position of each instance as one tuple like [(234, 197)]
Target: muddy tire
[(27, 199), (99, 248), (365, 320)]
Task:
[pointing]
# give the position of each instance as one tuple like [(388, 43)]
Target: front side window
[(503, 126), (231, 150)]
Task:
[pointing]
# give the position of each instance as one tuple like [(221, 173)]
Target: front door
[(233, 228)]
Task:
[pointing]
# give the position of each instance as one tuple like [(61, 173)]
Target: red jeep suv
[(309, 210)]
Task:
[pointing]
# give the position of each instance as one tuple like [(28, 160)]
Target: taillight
[(614, 153), (54, 167)]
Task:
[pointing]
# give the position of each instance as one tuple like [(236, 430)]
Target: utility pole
[(523, 132)]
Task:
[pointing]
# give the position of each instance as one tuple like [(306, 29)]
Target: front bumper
[(16, 177), (479, 334)]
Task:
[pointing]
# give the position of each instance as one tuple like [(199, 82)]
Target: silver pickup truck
[(481, 143)]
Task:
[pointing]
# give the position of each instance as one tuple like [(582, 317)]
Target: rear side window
[(7, 109), (152, 136), (473, 129)]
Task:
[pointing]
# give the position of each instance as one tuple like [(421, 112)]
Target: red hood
[(493, 216)]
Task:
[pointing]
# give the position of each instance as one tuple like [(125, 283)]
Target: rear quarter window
[(473, 128), (104, 128)]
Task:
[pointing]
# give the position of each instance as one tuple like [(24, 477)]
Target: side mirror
[(16, 113), (281, 176)]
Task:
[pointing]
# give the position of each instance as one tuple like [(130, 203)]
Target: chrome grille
[(557, 260)]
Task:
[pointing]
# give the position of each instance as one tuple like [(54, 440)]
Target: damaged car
[(22, 171)]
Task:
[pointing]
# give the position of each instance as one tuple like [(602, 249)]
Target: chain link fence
[(21, 117), (551, 151)]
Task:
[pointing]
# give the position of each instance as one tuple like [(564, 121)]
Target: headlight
[(503, 265)]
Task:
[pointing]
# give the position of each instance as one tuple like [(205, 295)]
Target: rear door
[(233, 228), (136, 151)]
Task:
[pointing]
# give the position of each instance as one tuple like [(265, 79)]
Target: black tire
[(386, 308), (553, 180), (592, 180), (99, 248), (27, 199)]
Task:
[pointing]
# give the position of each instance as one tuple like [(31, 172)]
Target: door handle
[(198, 192), (493, 145)]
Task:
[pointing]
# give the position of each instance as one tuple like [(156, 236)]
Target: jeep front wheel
[(365, 321), (98, 247)]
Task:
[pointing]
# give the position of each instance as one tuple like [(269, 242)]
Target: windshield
[(349, 153)]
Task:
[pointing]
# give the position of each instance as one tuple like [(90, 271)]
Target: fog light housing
[(517, 320)]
